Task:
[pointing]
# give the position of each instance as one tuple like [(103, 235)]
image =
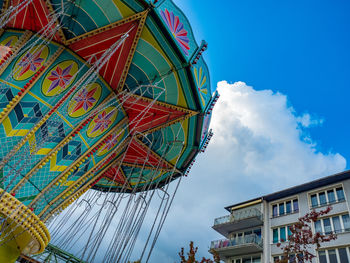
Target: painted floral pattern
[(85, 99), (177, 29), (30, 62), (60, 77), (103, 121), (201, 84)]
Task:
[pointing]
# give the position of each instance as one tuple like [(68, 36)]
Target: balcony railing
[(239, 215), (248, 239)]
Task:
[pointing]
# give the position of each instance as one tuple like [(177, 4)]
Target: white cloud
[(306, 120), (259, 146)]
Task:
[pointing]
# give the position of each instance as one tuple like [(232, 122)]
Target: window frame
[(326, 251), (333, 230), (325, 192), (283, 203), (279, 233)]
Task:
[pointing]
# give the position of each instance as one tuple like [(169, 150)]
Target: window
[(274, 211), (284, 208), (331, 196), (281, 209), (346, 222), (335, 224), (295, 205), (340, 194), (318, 227), (334, 255), (343, 255), (327, 197), (322, 197), (327, 225), (322, 257), (292, 258), (247, 260), (288, 207), (289, 231), (281, 234), (275, 235), (314, 201)]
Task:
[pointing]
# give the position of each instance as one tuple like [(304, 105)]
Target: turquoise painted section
[(147, 65), (134, 5), (167, 142), (85, 16)]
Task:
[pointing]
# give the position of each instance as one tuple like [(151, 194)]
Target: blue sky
[(282, 117), (299, 48)]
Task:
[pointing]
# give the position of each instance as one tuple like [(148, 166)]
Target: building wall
[(343, 239), (270, 249)]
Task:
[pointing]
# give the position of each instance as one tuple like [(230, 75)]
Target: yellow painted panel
[(43, 151)]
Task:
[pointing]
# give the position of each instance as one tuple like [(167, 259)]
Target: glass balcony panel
[(249, 239), (238, 215)]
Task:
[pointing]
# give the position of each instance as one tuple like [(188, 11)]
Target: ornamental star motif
[(103, 121), (85, 99), (110, 143), (30, 62), (60, 77)]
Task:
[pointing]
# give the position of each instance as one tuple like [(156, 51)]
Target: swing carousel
[(103, 103)]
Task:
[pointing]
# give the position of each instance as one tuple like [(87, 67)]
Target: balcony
[(238, 220), (239, 246)]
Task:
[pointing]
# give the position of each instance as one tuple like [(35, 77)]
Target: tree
[(302, 239), (191, 256)]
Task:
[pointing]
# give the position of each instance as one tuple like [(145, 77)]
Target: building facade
[(253, 228)]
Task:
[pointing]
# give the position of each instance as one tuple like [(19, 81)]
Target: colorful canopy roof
[(158, 72)]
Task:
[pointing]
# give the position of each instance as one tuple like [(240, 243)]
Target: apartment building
[(253, 228)]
